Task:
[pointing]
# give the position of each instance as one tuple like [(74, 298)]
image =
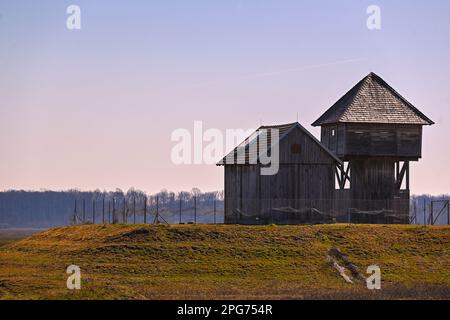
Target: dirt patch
[(349, 271)]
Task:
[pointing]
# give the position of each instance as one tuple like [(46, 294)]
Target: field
[(228, 262), (9, 235)]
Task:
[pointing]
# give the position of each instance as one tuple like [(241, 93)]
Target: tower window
[(333, 132)]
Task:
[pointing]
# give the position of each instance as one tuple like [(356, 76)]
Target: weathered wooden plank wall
[(403, 141), (306, 171)]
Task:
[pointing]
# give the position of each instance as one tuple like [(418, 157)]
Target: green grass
[(230, 262)]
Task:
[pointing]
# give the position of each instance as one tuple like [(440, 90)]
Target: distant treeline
[(43, 209)]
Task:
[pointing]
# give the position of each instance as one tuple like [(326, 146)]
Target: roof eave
[(427, 122)]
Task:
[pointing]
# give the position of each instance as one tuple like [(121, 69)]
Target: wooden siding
[(335, 143), (306, 171), (297, 181), (372, 178), (402, 141), (247, 193), (310, 151)]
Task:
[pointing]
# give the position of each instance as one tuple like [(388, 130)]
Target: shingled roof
[(266, 140), (372, 100)]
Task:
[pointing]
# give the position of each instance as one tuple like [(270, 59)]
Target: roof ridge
[(277, 125)]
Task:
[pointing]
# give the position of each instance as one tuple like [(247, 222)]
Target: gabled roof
[(372, 100), (266, 140)]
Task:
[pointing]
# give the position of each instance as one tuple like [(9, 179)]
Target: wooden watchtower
[(376, 133)]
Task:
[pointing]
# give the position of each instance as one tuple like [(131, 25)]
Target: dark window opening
[(296, 148)]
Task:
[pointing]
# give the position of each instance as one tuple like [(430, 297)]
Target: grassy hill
[(206, 262), (9, 235)]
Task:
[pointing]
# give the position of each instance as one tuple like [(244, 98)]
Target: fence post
[(415, 212), (114, 210), (134, 209), (431, 213), (156, 221), (84, 210), (75, 215), (125, 218), (93, 211), (109, 211), (424, 212), (195, 210), (214, 211), (145, 209), (448, 212), (103, 209), (180, 210)]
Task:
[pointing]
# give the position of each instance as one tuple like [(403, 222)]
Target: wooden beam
[(397, 170), (338, 173), (407, 175), (345, 176), (342, 175), (401, 175)]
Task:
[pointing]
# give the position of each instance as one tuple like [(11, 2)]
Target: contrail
[(314, 66), (277, 72)]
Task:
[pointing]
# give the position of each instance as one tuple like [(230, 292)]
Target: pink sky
[(95, 108)]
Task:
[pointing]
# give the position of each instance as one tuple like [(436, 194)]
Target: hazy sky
[(95, 108)]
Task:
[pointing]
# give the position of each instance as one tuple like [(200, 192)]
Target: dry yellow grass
[(230, 262), (9, 235)]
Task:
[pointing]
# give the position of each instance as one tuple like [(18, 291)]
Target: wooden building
[(306, 171), (359, 172), (376, 133)]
